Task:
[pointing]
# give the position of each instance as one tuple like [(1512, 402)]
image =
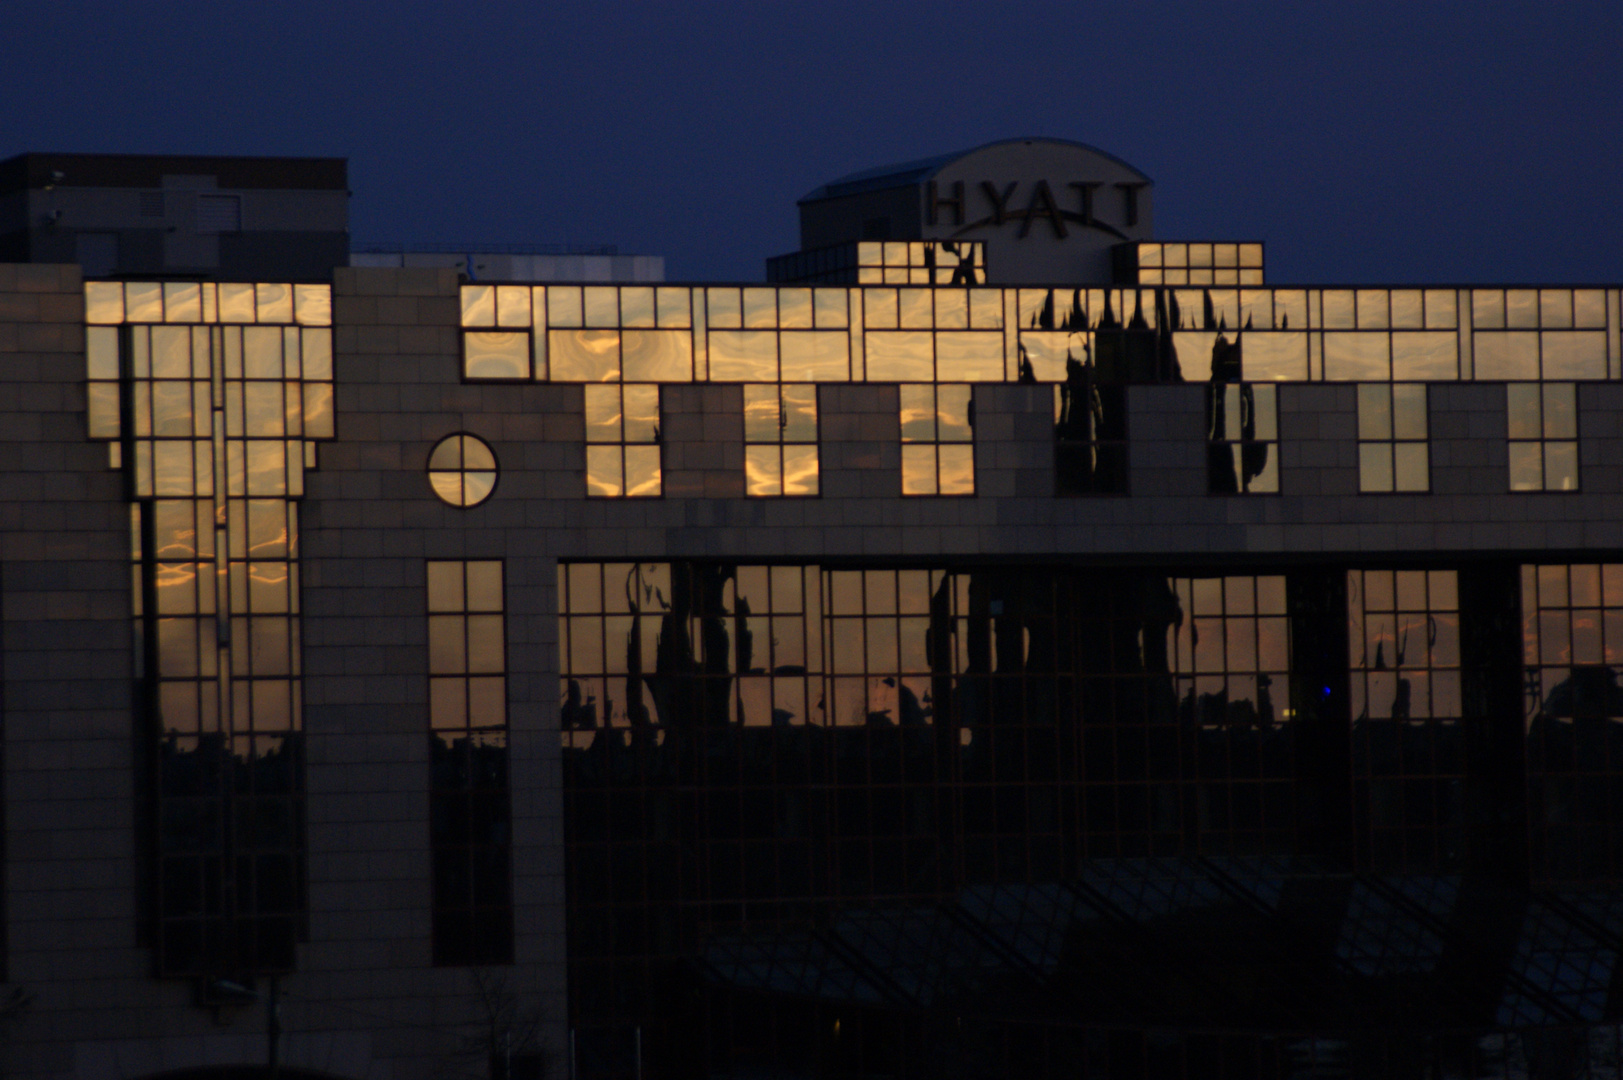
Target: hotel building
[(1002, 644)]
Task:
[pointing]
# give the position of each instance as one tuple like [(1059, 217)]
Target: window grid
[(666, 333), (1242, 438), (1231, 659), (470, 803), (623, 441), (1168, 263), (216, 394), (1393, 428), (1542, 421), (1572, 651), (938, 453), (1407, 747), (780, 439)]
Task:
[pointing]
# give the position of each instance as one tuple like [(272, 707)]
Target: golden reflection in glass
[(564, 306), (1046, 354), (1488, 309), (600, 305), (780, 433), (1442, 309), (986, 309), (512, 306), (104, 303), (969, 356), (1589, 308), (637, 306), (462, 470), (1573, 354), (1357, 357), (743, 355), (1542, 421), (952, 311), (832, 309), (915, 310), (656, 356), (673, 307), (937, 455), (760, 308), (496, 355), (723, 308), (1572, 646), (1270, 355), (1392, 430), (221, 411), (879, 309), (900, 356), (815, 356), (1521, 308), (1427, 356), (1337, 310), (584, 355), (1505, 355), (795, 308)]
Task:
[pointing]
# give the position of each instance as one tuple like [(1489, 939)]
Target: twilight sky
[(1386, 142)]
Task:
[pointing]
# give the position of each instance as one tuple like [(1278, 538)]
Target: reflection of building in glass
[(893, 669)]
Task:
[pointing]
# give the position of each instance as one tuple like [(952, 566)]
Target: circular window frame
[(448, 471)]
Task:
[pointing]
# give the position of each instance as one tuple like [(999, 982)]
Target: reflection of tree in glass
[(690, 693), (1222, 444)]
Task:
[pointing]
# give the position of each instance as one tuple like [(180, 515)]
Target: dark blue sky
[(1365, 142)]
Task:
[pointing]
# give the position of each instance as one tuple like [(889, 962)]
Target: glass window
[(623, 435), (1408, 751), (462, 470), (470, 805), (1572, 617), (1090, 436), (938, 455), (780, 437), (1393, 429), (496, 354), (1242, 421), (1543, 436), (223, 678)]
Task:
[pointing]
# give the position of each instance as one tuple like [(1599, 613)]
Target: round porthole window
[(462, 470)]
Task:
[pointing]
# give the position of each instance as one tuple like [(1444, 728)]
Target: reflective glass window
[(623, 457), (1393, 432), (780, 437), (1242, 421), (470, 806), (1543, 436), (462, 470), (1407, 746)]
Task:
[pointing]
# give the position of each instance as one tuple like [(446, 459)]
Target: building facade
[(910, 667)]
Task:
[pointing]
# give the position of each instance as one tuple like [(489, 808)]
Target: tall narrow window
[(1231, 657), (938, 454), (1242, 429), (216, 395), (470, 806), (780, 437), (622, 441), (1543, 431), (1393, 454), (1407, 747)]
